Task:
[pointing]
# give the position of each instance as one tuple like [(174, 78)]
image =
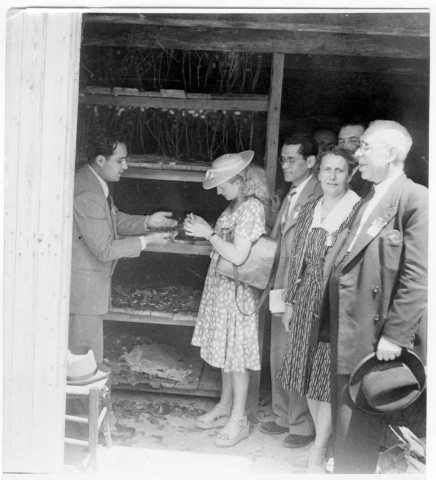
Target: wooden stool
[(98, 394)]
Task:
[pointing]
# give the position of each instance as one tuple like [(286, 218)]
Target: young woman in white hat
[(228, 339)]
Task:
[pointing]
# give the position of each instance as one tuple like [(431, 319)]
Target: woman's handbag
[(255, 271), (258, 271)]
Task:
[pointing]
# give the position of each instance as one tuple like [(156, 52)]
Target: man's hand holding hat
[(387, 350)]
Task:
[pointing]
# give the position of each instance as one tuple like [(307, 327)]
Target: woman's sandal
[(217, 417), (236, 429)]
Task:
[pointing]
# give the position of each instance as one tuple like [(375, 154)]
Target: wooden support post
[(94, 394), (254, 385), (273, 121)]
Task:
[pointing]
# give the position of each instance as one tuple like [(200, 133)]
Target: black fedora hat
[(383, 387)]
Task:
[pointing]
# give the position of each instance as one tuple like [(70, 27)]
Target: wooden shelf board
[(198, 392), (238, 103), (135, 171), (209, 385), (147, 316), (181, 248)]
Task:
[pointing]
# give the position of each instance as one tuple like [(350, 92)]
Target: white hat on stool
[(82, 369)]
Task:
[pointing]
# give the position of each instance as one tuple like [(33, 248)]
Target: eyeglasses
[(365, 148)]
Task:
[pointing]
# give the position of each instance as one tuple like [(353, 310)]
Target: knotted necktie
[(355, 222), (110, 202), (286, 210)]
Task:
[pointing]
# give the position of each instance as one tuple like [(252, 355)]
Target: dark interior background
[(338, 67)]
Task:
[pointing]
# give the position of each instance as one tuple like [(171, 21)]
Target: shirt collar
[(300, 187), (381, 187), (102, 182)]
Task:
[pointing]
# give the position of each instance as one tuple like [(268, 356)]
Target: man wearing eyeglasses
[(349, 139), (290, 410), (377, 291)]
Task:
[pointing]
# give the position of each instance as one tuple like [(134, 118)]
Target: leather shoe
[(297, 441), (271, 428)]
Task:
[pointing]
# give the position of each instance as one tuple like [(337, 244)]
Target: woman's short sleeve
[(250, 221)]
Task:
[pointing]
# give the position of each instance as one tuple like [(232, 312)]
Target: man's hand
[(158, 238), (387, 350), (161, 219), (287, 316)]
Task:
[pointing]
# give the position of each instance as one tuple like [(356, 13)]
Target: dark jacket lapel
[(381, 216)]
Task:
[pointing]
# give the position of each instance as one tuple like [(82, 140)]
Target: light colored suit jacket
[(380, 287), (97, 244), (310, 192)]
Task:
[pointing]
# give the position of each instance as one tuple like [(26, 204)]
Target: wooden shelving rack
[(142, 168)]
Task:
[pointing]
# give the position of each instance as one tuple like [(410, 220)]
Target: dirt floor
[(156, 434)]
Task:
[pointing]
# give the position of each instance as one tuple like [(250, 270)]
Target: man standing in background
[(290, 410), (349, 139)]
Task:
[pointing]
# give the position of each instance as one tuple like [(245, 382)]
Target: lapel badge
[(376, 226), (297, 209)]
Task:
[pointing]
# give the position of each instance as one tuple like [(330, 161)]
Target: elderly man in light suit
[(101, 235), (377, 291), (291, 412)]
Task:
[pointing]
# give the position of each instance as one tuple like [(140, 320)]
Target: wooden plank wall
[(42, 72)]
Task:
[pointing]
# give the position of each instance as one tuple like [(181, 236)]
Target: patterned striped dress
[(304, 369)]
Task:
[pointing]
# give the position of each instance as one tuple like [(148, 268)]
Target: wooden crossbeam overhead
[(406, 71), (414, 24), (261, 41)]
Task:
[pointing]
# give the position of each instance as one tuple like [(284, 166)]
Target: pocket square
[(394, 237)]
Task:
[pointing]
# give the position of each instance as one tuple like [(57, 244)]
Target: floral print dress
[(227, 338)]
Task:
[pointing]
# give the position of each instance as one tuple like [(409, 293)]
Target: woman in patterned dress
[(306, 363), (226, 330)]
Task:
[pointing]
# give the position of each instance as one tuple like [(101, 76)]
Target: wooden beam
[(392, 24), (386, 66), (261, 41), (238, 103), (273, 121)]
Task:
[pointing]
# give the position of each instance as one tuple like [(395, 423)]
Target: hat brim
[(219, 178), (368, 363), (102, 372)]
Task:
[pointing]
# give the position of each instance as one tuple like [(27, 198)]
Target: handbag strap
[(269, 284)]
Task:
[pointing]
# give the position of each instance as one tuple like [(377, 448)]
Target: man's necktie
[(289, 196), (355, 222), (110, 202)]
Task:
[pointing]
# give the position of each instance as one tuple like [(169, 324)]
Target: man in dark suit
[(291, 412), (101, 235), (349, 139), (377, 291)]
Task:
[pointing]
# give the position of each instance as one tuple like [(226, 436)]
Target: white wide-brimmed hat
[(82, 369), (226, 167)]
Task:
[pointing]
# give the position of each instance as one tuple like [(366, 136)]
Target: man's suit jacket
[(310, 192), (96, 244), (380, 286)]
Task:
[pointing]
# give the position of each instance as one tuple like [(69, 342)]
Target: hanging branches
[(185, 135), (191, 70)]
